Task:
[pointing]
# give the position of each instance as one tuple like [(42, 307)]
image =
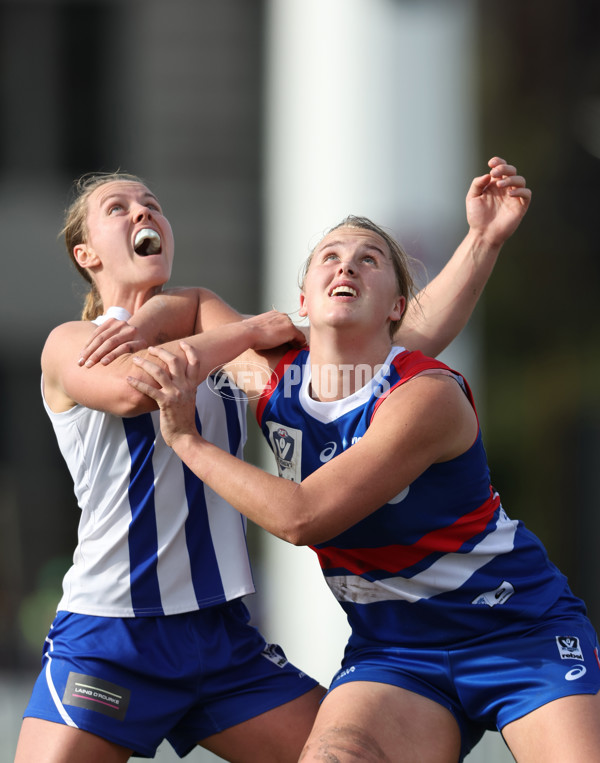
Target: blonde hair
[(401, 261), (75, 229)]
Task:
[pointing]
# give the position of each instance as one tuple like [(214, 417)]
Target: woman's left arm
[(426, 420), (496, 203)]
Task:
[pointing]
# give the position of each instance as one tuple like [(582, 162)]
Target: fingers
[(505, 174), (272, 329), (158, 372), (522, 194), (110, 340), (495, 161), (499, 167), (190, 353), (479, 184), (111, 350), (501, 175), (97, 339), (145, 388), (170, 373), (174, 396)]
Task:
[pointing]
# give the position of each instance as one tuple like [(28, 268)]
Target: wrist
[(252, 333), (481, 245), (185, 444)]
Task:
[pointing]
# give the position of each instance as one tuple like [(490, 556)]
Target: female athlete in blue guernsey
[(459, 621), (441, 563), (439, 585)]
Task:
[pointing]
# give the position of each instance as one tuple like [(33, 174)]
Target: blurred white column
[(369, 110)]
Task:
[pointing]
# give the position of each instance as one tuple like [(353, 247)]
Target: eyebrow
[(366, 245), (147, 196)]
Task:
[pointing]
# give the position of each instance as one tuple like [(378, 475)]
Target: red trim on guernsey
[(271, 385), (398, 557), (411, 363)]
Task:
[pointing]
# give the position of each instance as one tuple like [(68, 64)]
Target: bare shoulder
[(436, 394), (432, 385), (63, 340), (101, 387), (434, 411), (61, 351)]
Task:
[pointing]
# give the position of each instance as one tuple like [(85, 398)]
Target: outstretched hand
[(497, 202), (176, 392)]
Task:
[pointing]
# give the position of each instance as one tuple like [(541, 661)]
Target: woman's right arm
[(172, 314), (425, 421), (105, 387)]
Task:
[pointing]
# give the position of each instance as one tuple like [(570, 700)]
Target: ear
[(303, 312), (84, 257), (398, 308)]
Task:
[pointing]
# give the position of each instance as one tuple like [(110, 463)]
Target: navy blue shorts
[(137, 681), (486, 686)]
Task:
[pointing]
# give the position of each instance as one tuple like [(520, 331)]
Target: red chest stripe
[(271, 385), (398, 557)]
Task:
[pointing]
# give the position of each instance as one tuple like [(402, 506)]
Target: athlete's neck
[(339, 369)]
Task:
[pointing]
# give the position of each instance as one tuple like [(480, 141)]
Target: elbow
[(132, 403), (300, 533), (294, 537), (298, 521)]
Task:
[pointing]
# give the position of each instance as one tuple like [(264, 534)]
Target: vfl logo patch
[(568, 648), (502, 594), (95, 694), (286, 444)]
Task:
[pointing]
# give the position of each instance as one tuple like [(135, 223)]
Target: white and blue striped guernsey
[(153, 539)]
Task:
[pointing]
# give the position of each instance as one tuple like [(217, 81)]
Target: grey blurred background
[(211, 103)]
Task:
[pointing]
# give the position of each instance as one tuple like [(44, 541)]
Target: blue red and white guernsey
[(441, 564), (153, 539)]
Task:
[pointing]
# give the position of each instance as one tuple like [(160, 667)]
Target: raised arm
[(496, 203), (422, 422)]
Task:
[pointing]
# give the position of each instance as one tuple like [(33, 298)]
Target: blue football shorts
[(136, 681), (487, 685)]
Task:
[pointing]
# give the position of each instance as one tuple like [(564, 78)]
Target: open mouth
[(147, 241), (343, 291)]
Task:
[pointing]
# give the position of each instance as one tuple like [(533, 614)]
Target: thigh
[(510, 677), (251, 698), (277, 735), (566, 730), (116, 679), (55, 743), (372, 722)]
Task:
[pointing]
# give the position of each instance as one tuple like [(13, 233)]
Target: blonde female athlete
[(151, 640), (459, 622)]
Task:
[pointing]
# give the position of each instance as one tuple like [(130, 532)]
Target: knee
[(348, 742)]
